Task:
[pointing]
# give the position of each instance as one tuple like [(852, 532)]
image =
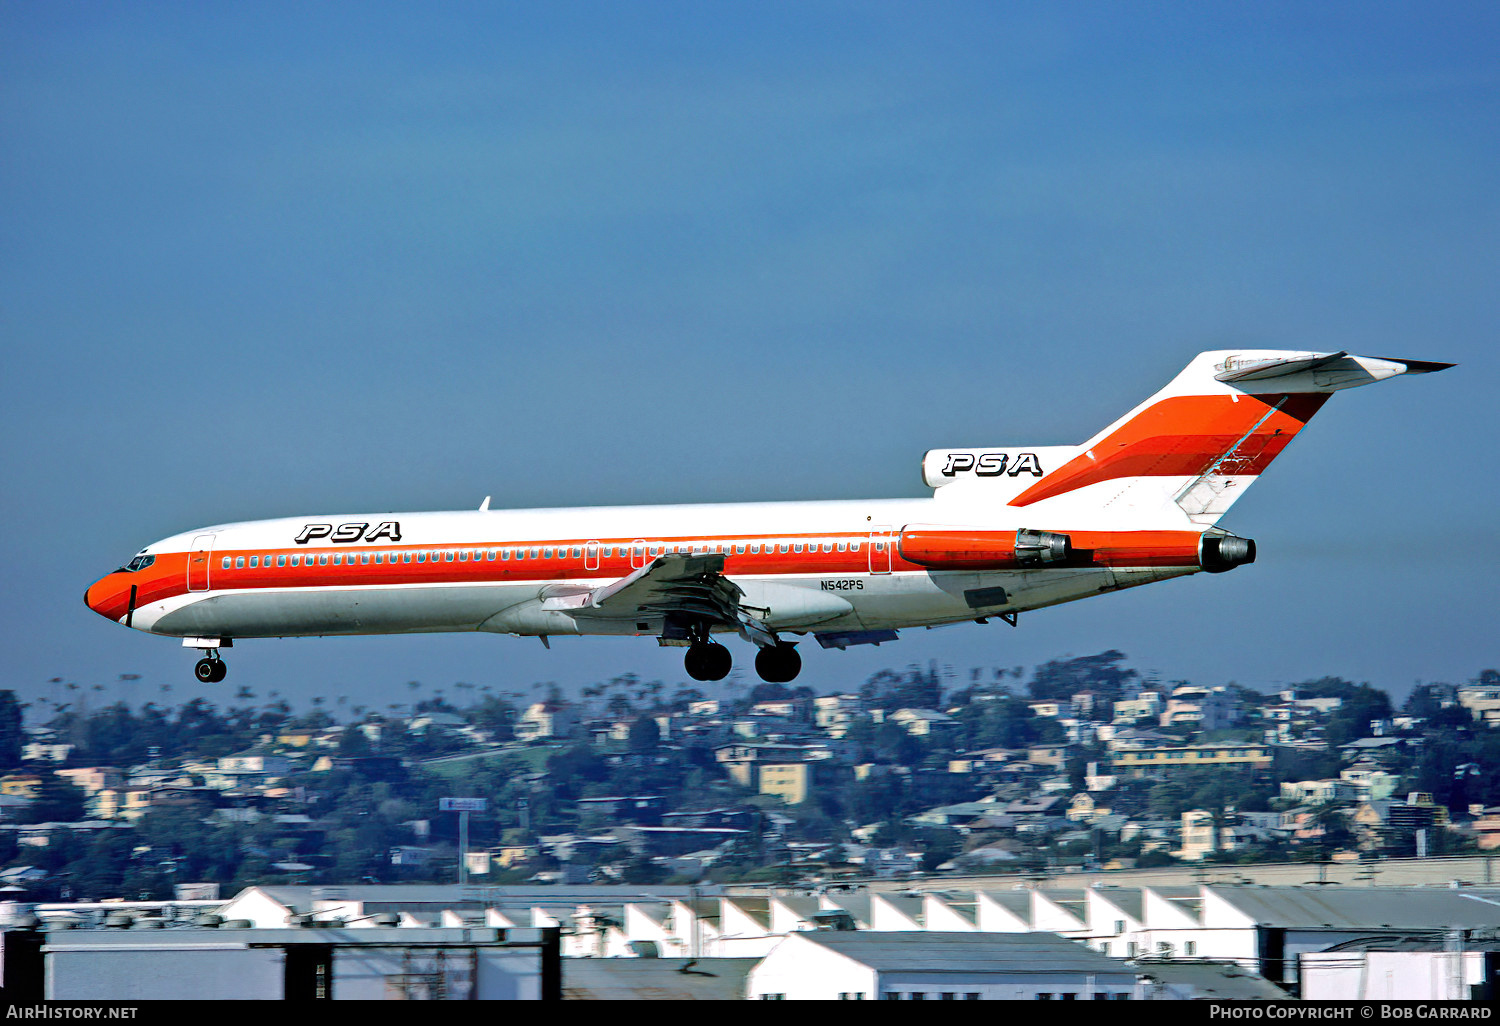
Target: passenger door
[(198, 559)]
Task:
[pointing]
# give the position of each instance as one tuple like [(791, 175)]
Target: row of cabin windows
[(533, 552)]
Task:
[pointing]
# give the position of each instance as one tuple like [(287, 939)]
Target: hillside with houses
[(1080, 764)]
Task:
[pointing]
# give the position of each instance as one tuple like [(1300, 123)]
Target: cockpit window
[(138, 563)]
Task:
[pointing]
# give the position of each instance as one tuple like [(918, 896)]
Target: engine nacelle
[(943, 548)]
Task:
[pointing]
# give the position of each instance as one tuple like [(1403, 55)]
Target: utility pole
[(462, 806)]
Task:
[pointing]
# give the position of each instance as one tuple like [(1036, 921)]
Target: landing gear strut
[(779, 664), (212, 669)]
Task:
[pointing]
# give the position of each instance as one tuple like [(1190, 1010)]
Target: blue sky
[(271, 259)]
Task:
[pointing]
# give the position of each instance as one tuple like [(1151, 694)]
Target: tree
[(57, 801), (645, 735), (11, 736), (354, 742), (1064, 678)]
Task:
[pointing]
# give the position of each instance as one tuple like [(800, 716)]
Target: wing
[(675, 586)]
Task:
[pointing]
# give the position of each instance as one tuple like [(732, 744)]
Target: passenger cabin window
[(226, 562), (323, 559), (239, 562), (281, 561), (364, 558), (447, 555), (796, 546), (297, 561), (533, 553)]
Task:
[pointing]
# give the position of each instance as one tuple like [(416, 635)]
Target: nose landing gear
[(212, 669)]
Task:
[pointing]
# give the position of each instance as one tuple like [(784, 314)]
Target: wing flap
[(681, 584)]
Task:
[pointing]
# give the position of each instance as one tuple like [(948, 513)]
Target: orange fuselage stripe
[(166, 578)]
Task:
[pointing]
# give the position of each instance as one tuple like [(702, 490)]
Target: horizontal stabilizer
[(1261, 369)]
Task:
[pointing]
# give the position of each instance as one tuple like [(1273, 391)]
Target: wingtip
[(1419, 366)]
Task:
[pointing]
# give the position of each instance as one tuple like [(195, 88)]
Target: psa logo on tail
[(992, 464)]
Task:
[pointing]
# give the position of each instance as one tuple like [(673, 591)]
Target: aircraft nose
[(108, 597)]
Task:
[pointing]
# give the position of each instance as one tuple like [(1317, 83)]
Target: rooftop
[(966, 952)]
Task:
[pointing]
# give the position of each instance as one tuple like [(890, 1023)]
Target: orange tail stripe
[(1182, 437)]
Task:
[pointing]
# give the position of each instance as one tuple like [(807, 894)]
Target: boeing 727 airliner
[(1006, 530)]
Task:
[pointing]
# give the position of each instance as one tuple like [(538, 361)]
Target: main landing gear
[(706, 659), (212, 669), (778, 664)]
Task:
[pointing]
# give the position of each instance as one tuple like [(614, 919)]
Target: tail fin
[(1201, 441)]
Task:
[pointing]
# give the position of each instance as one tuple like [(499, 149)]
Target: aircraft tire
[(206, 671), (221, 670), (779, 665), (710, 661)]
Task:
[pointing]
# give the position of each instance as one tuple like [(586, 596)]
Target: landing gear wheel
[(708, 661), (778, 665), (210, 671)]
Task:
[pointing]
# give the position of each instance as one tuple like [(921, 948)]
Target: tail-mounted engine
[(946, 549), (1220, 552), (958, 548)]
